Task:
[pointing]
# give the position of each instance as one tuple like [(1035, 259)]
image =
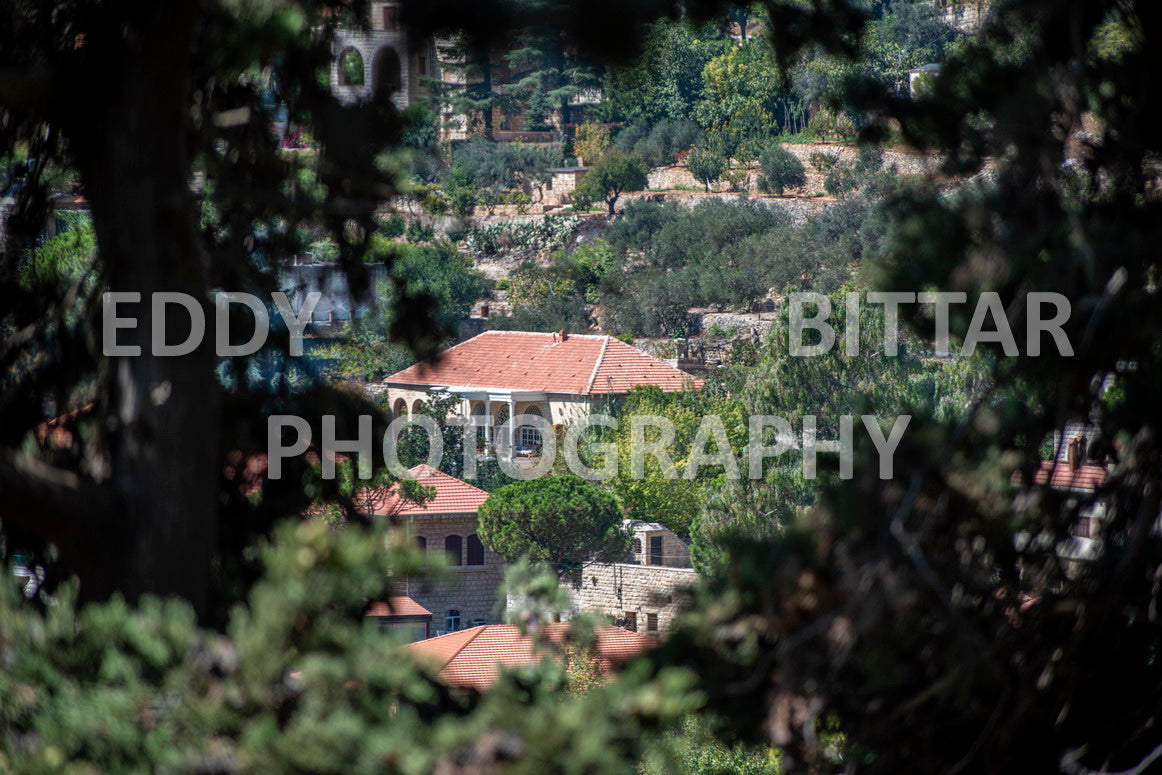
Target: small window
[(422, 543), (631, 620), (475, 551), (454, 546), (452, 620), (390, 18), (656, 556), (637, 550), (651, 623)]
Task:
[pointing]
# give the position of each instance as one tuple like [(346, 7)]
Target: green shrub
[(823, 161), (392, 226), (706, 165), (659, 144), (418, 232), (781, 170)]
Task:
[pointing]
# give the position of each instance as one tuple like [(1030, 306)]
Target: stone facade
[(645, 593), (656, 545), (470, 592), (635, 596), (562, 182), (386, 51)]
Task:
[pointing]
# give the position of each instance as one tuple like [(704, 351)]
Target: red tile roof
[(472, 658), (1057, 473), (453, 496), (397, 605), (524, 360)]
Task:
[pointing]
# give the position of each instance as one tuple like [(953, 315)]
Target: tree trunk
[(130, 130), (487, 70)]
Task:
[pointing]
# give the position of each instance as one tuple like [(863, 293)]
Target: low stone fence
[(800, 210), (897, 160)]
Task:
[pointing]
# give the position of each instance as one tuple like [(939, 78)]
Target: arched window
[(399, 408), (454, 546), (475, 551), (351, 68), (422, 542), (452, 620), (416, 406), (388, 72)]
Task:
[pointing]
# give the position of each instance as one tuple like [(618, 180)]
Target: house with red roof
[(501, 377), (446, 525), (402, 615), (473, 658)]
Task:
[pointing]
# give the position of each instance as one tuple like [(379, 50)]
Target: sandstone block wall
[(473, 590), (616, 589)]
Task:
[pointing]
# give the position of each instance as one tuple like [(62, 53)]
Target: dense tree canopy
[(562, 520)]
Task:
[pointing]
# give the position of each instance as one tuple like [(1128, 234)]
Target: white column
[(487, 424), (511, 424)]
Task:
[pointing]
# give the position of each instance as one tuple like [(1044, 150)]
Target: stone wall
[(619, 588), (674, 551), (799, 210), (373, 47), (901, 161), (473, 590)]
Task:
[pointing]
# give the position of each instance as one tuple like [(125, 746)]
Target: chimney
[(1073, 453), (564, 334)]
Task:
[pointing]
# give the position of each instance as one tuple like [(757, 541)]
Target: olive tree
[(605, 181)]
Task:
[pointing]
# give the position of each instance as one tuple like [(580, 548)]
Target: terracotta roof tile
[(1058, 474), (524, 360), (453, 496), (472, 658), (397, 605)]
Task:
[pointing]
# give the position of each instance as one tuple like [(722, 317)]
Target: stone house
[(644, 593), (561, 184), (403, 616), (468, 595), (501, 377), (364, 57)]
